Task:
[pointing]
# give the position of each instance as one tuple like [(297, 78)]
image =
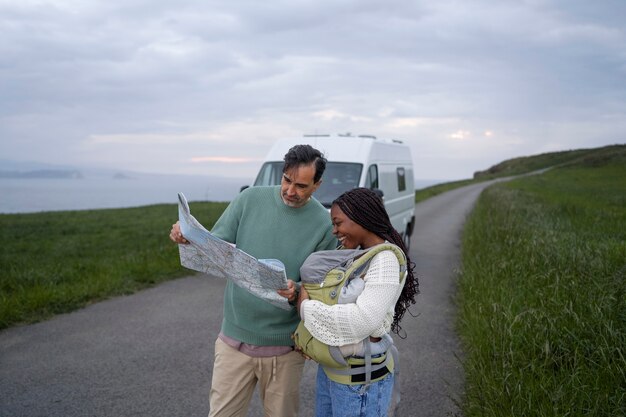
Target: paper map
[(210, 255)]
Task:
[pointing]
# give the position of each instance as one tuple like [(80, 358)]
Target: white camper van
[(356, 161)]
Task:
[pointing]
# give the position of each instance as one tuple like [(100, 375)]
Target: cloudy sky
[(205, 87)]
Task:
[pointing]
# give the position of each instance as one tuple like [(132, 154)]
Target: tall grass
[(542, 295), (55, 262)]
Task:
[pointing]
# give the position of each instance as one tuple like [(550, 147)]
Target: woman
[(360, 221)]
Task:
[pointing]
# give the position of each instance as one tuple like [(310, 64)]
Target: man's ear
[(317, 185)]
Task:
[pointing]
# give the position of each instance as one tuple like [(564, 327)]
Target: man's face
[(297, 186)]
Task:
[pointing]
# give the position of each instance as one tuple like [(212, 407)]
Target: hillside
[(527, 164)]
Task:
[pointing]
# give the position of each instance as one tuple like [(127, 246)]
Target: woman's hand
[(304, 295), (175, 234)]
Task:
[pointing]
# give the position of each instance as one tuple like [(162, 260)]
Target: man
[(255, 346)]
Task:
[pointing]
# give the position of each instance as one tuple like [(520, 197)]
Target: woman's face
[(350, 234)]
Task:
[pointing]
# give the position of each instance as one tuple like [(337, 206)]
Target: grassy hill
[(527, 164)]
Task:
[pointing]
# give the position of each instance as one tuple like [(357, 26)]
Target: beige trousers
[(235, 375)]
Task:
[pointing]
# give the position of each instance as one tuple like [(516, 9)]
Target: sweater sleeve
[(370, 315), (226, 226), (329, 242)]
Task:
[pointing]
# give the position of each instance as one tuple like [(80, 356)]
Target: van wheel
[(406, 238)]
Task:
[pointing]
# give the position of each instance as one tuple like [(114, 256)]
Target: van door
[(396, 182), (371, 180)]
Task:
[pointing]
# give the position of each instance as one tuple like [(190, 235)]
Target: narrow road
[(150, 353)]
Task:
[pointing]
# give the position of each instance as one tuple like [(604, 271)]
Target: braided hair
[(366, 208)]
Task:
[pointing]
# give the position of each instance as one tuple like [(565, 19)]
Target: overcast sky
[(205, 87)]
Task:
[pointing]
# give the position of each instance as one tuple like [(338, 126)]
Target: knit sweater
[(370, 315), (258, 222)]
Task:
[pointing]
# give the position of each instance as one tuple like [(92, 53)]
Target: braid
[(366, 208)]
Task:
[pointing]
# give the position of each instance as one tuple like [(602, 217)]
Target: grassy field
[(56, 262), (542, 294)]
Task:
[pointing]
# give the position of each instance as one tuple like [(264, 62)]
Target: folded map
[(215, 257)]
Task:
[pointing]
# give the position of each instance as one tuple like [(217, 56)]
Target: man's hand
[(291, 292), (176, 236)]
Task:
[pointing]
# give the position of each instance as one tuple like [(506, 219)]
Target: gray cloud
[(149, 85)]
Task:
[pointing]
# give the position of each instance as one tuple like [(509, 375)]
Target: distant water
[(40, 194)]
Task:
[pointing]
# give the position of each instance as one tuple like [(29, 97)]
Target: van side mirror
[(243, 187), (379, 193)]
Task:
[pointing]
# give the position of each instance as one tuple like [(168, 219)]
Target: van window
[(338, 178), (401, 179), (271, 173), (371, 181)]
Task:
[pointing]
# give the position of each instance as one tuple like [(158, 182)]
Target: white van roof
[(344, 148)]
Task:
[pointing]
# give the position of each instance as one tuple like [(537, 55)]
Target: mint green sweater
[(261, 224)]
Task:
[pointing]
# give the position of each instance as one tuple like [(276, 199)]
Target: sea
[(31, 195)]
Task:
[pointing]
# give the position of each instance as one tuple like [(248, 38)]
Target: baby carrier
[(327, 275)]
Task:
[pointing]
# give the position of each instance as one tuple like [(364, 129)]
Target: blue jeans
[(339, 400)]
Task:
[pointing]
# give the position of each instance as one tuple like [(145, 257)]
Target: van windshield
[(338, 178)]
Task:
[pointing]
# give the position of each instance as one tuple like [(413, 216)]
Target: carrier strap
[(392, 352), (359, 370), (395, 393), (368, 361)]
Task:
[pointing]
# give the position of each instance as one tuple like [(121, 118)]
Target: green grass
[(433, 190), (55, 262), (542, 294)]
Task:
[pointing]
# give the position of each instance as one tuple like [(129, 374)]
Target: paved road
[(150, 354)]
